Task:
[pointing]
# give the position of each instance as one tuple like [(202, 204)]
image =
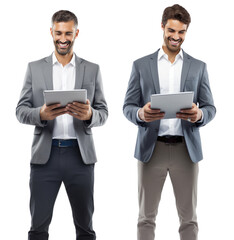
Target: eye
[(170, 30)]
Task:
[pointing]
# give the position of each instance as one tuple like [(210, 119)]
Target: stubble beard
[(64, 51), (170, 47)]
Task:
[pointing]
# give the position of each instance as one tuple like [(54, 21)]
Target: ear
[(163, 27), (51, 31), (77, 32)]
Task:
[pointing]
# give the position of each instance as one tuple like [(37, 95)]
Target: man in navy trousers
[(63, 147)]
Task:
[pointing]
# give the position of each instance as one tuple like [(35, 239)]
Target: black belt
[(171, 139), (64, 143)]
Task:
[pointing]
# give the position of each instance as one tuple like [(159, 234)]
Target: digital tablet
[(65, 97), (172, 103)]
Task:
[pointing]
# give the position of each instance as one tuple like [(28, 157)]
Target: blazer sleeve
[(205, 99), (25, 111), (99, 105), (132, 102)]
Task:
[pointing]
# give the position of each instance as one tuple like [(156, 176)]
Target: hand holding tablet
[(64, 97), (72, 102), (80, 111), (147, 114), (172, 103)]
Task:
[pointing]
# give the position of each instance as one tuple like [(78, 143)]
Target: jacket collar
[(154, 70), (48, 72)]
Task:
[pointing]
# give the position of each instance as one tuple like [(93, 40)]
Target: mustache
[(67, 42)]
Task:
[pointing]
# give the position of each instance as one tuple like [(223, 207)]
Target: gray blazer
[(144, 81), (39, 78)]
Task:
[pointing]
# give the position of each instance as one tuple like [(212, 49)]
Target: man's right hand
[(147, 114), (51, 112)]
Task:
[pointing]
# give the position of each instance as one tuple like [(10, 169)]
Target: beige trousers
[(172, 159)]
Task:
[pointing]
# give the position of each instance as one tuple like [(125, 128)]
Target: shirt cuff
[(137, 116), (200, 121)]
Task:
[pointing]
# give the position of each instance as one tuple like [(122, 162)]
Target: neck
[(64, 59), (171, 55)]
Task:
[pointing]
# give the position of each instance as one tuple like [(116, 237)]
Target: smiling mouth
[(174, 42), (63, 45)]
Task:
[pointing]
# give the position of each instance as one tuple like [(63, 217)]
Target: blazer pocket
[(88, 85), (88, 131), (192, 78), (37, 130), (195, 129)]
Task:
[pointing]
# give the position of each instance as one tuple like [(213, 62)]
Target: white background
[(114, 34)]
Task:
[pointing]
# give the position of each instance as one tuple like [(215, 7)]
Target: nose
[(62, 38), (176, 36)]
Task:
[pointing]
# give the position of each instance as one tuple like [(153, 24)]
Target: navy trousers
[(64, 165)]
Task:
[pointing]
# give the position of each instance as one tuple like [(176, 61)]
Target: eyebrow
[(61, 32), (181, 31)]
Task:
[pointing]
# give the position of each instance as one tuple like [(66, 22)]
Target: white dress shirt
[(169, 81), (64, 79)]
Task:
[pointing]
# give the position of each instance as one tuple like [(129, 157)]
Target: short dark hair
[(64, 16), (176, 12)]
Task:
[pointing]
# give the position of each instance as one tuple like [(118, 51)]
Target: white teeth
[(174, 43), (62, 45)]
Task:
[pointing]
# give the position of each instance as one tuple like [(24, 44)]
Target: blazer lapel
[(154, 71), (48, 72), (80, 70), (185, 70), (48, 77)]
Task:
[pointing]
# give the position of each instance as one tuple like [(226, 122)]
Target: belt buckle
[(59, 143), (171, 140), (167, 140)]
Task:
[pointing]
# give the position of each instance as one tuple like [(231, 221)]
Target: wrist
[(41, 114), (91, 114), (200, 117), (141, 114)]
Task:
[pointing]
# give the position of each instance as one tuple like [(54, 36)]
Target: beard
[(173, 47), (65, 49)]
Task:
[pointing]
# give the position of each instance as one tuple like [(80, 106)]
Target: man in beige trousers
[(169, 145)]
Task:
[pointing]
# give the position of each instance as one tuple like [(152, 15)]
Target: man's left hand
[(81, 111), (192, 115)]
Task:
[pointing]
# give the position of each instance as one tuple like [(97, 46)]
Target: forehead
[(64, 26), (176, 25)]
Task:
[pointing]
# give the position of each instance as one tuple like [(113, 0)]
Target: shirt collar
[(162, 54), (72, 62)]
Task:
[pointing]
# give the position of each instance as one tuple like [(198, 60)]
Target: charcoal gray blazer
[(39, 78)]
